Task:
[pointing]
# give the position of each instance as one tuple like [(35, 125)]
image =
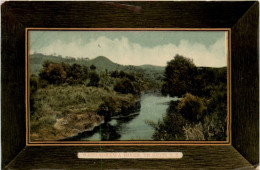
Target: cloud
[(121, 51)]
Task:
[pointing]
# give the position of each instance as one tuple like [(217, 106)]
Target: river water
[(132, 126)]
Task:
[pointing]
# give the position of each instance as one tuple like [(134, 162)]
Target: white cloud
[(122, 51)]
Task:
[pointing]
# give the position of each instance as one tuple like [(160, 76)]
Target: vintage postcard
[(128, 85)]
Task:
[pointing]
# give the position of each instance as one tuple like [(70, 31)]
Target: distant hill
[(102, 63), (152, 67)]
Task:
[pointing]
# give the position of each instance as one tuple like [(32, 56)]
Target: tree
[(192, 108), (53, 73), (92, 67), (179, 76), (170, 128), (94, 79), (76, 74), (107, 108), (125, 86)]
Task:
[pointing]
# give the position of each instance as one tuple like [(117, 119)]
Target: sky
[(206, 48)]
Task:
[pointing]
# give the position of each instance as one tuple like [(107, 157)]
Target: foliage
[(76, 73), (93, 67), (191, 107), (170, 128), (182, 76), (94, 79), (33, 83), (107, 108), (126, 86), (64, 110), (58, 73), (53, 73), (179, 76), (215, 123), (122, 74), (194, 132)]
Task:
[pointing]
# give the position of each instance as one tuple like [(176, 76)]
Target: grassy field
[(62, 111)]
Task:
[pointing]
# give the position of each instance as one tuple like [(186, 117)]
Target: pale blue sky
[(206, 48)]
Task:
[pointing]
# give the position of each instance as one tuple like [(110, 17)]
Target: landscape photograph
[(127, 85)]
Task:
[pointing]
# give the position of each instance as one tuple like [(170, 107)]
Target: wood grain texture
[(152, 15), (13, 87), (245, 85), (195, 157), (16, 16)]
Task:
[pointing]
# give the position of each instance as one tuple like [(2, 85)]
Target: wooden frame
[(240, 17)]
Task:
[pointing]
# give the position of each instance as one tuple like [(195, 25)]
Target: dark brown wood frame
[(240, 17)]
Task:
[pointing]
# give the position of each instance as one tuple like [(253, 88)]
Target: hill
[(152, 67), (102, 64)]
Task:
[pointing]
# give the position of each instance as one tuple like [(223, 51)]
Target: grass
[(64, 111)]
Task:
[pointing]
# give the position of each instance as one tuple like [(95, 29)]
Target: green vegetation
[(69, 96), (66, 99), (179, 76), (60, 111), (201, 113)]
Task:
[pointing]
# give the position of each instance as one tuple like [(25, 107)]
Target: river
[(132, 126)]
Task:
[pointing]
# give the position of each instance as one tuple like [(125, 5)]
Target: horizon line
[(88, 59)]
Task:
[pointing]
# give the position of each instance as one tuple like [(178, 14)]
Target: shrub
[(126, 86), (53, 73), (194, 132), (33, 83), (94, 79), (107, 108), (192, 108), (170, 128)]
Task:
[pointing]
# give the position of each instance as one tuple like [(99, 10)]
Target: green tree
[(75, 74), (92, 67), (107, 108), (170, 128), (127, 86), (53, 73), (192, 108), (179, 76), (215, 122), (94, 79)]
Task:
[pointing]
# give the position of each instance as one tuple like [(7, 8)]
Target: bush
[(192, 108), (124, 86), (170, 128), (76, 74), (58, 73), (194, 132), (107, 108), (53, 73), (215, 123), (94, 79), (33, 83)]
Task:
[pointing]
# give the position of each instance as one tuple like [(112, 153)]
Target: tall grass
[(64, 110)]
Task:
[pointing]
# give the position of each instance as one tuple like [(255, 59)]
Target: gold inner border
[(127, 143)]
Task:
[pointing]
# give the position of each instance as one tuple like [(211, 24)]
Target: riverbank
[(58, 112), (130, 125)]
